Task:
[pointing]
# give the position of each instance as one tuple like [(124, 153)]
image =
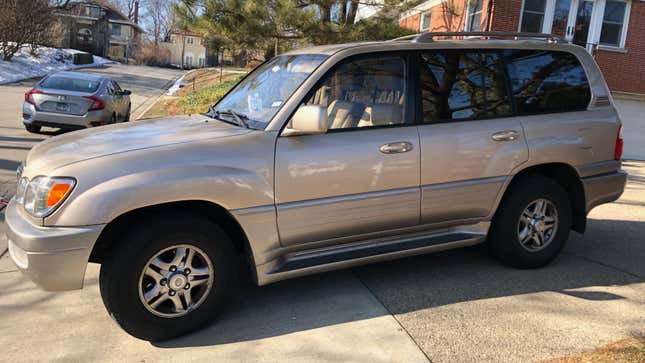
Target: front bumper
[(604, 188), (55, 258)]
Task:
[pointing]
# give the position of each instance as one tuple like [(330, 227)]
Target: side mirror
[(126, 92), (308, 120)]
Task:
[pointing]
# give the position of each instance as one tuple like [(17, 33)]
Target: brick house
[(613, 29)]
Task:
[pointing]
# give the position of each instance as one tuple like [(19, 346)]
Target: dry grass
[(626, 350), (202, 88)]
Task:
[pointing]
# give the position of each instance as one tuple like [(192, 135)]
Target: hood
[(113, 139)]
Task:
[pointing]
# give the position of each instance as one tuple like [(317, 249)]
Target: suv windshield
[(259, 96)]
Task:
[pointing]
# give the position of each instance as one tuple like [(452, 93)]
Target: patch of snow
[(179, 83), (24, 66)]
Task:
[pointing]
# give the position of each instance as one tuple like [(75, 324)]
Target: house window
[(533, 16), (474, 15), (613, 24), (189, 62), (115, 30), (588, 23), (189, 40), (201, 62), (93, 11), (425, 21)]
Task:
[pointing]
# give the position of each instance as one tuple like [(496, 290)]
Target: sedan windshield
[(259, 96)]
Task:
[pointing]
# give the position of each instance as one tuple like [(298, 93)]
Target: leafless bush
[(153, 55), (24, 23)]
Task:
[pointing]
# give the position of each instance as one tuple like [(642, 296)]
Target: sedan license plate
[(64, 107)]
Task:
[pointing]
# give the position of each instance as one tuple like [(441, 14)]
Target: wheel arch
[(214, 212), (565, 175)]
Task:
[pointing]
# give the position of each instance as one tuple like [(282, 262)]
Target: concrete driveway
[(146, 84)]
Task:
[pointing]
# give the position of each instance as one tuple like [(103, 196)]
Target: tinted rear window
[(71, 84), (459, 86), (544, 81)]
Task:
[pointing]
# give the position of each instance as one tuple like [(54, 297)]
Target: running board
[(368, 252)]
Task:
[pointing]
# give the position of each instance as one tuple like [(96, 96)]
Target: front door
[(361, 176)]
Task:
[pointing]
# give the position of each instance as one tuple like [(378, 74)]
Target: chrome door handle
[(396, 147), (507, 135)]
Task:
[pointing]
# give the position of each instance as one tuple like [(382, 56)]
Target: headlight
[(20, 190), (43, 194)]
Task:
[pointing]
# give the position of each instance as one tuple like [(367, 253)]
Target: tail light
[(29, 96), (97, 103), (618, 150)]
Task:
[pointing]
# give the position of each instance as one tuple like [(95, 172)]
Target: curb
[(165, 88)]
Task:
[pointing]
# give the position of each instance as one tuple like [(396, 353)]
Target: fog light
[(18, 255)]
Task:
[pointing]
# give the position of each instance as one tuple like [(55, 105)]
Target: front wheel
[(168, 278), (532, 223)]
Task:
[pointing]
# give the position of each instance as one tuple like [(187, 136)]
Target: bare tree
[(24, 23), (161, 18)]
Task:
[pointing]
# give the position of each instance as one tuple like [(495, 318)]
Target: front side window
[(474, 16), (613, 23), (462, 86), (533, 16), (544, 81), (363, 92), (260, 95)]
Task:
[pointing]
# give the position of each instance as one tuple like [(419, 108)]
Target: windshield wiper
[(240, 118)]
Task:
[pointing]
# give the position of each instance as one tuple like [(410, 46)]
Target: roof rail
[(429, 36)]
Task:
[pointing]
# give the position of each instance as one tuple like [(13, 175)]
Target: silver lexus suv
[(325, 158)]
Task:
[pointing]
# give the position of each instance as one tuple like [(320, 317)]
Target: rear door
[(470, 141), (362, 176)]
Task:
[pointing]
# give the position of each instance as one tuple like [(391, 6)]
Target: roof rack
[(429, 36)]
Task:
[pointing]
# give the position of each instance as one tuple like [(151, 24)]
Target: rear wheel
[(168, 278), (127, 115), (32, 128), (532, 224)]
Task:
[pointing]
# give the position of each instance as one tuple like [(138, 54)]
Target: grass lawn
[(202, 88), (626, 350)]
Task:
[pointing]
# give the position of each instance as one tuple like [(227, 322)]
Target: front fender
[(231, 188)]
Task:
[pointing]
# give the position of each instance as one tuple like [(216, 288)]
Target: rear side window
[(544, 81), (458, 86), (70, 84)]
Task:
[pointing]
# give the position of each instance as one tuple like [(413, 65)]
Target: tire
[(34, 129), (127, 115), (504, 241), (121, 277)]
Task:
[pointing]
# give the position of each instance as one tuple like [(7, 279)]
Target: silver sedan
[(71, 100)]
